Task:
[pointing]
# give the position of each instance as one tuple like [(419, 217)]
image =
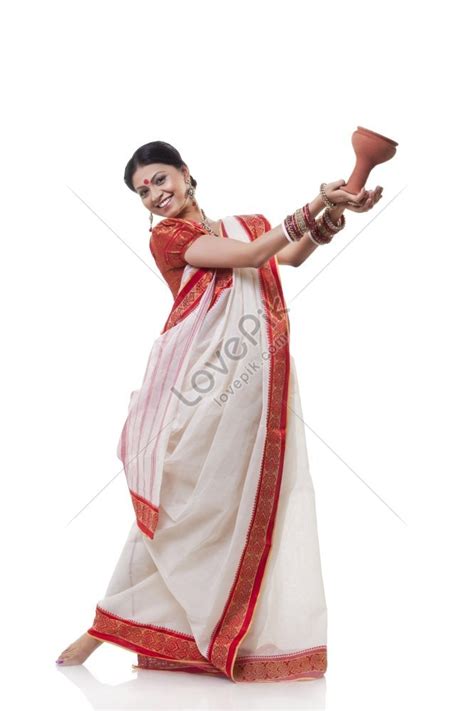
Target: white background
[(261, 100)]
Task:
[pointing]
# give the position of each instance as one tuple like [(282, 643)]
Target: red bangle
[(309, 219)]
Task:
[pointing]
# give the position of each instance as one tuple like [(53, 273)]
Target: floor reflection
[(179, 690)]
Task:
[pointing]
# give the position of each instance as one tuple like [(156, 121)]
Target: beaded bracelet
[(325, 198)]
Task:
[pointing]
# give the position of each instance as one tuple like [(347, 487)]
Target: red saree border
[(236, 618), (188, 298), (151, 640), (161, 648), (302, 665), (156, 664), (146, 513)]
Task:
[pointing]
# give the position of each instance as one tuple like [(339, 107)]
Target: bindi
[(146, 181)]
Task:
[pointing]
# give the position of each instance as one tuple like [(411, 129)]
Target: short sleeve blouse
[(168, 242)]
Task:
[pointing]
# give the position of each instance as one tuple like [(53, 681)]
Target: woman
[(220, 573)]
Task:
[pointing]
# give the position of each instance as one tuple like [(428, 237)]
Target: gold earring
[(190, 191)]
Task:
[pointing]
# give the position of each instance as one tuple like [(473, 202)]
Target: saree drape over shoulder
[(221, 571)]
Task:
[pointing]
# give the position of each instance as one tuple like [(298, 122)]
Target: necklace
[(205, 223)]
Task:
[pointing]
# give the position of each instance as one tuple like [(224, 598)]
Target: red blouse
[(169, 241)]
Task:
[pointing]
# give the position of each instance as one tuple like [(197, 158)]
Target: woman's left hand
[(373, 196)]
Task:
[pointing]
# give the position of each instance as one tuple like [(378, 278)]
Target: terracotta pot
[(371, 149)]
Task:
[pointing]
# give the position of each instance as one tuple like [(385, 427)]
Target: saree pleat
[(220, 572)]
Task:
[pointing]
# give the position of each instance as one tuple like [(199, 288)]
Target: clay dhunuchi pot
[(371, 149)]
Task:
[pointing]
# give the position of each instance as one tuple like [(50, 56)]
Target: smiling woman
[(220, 573)]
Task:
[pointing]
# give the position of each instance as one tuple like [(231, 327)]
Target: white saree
[(221, 571)]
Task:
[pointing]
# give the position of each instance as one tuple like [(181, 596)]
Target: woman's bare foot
[(78, 651)]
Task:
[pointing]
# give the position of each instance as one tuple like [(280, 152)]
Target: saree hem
[(303, 664), (307, 666)]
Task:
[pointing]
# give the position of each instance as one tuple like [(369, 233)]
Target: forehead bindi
[(147, 181)]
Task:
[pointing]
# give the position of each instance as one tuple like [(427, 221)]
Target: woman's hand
[(340, 197), (367, 203)]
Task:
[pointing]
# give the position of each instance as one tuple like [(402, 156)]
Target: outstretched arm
[(210, 251)]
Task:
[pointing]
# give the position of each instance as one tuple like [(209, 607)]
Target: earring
[(151, 222), (190, 191)]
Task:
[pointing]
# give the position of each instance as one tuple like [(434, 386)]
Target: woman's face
[(156, 182)]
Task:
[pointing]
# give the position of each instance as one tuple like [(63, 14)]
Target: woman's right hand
[(339, 196)]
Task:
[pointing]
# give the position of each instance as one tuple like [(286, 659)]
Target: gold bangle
[(330, 224), (325, 198), (323, 228), (300, 221)]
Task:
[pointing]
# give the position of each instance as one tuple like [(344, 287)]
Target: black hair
[(154, 152)]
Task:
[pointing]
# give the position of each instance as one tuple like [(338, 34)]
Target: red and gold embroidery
[(161, 648), (307, 664), (188, 298), (145, 639), (146, 513)]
